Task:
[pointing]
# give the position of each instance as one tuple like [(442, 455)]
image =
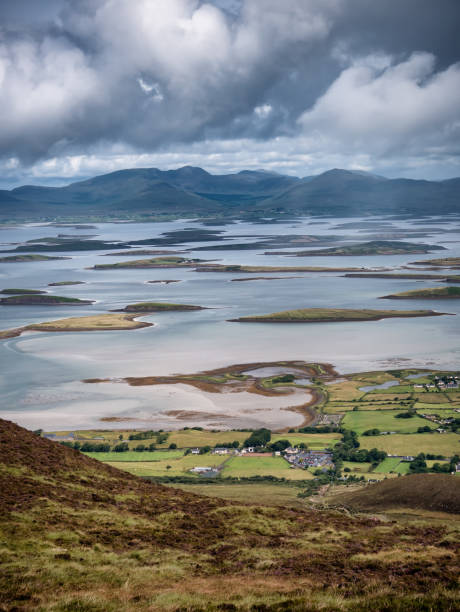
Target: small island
[(101, 322), (443, 262), (42, 300), (22, 292), (155, 262), (405, 276), (374, 247), (26, 258), (63, 283), (256, 278), (444, 293), (164, 282), (142, 252), (333, 315), (159, 307)]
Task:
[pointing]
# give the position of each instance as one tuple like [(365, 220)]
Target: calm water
[(40, 373)]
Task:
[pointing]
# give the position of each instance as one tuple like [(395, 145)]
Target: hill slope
[(78, 535), (435, 492), (193, 191)]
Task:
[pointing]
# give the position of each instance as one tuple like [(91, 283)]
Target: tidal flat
[(51, 365)]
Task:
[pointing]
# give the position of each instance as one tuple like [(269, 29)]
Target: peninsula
[(333, 315), (445, 293), (443, 262)]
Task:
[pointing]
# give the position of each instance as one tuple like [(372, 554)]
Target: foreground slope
[(79, 535)]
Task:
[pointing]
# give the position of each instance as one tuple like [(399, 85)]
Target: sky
[(296, 87)]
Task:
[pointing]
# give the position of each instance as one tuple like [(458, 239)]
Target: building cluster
[(309, 458)]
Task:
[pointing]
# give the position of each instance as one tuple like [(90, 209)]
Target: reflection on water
[(39, 372)]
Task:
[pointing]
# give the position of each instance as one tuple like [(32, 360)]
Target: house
[(291, 451), (220, 451), (195, 451), (201, 470), (248, 449)]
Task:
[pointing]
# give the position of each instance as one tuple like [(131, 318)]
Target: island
[(155, 262), (159, 307), (255, 278), (29, 257), (42, 300), (63, 283), (164, 282), (445, 293), (22, 292), (374, 247), (443, 262), (101, 322), (255, 269), (332, 315), (142, 252), (406, 276)]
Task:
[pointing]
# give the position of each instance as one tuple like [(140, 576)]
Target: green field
[(179, 466), (240, 467), (388, 465), (357, 468), (385, 420), (447, 444), (137, 456)]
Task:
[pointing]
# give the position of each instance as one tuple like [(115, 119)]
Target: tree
[(259, 437), (173, 446)]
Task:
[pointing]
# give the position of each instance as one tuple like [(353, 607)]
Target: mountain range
[(190, 191)]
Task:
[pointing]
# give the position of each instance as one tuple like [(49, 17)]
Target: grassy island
[(155, 262), (22, 292), (137, 252), (63, 283), (331, 315), (159, 307), (443, 262), (42, 300), (101, 322), (255, 269), (374, 247), (27, 258), (445, 293)]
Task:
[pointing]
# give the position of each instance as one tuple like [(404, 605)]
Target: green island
[(137, 252), (405, 276), (42, 300), (329, 315), (63, 283), (444, 293), (102, 322), (155, 262), (159, 307), (22, 291), (29, 257), (255, 269), (443, 262), (374, 247)]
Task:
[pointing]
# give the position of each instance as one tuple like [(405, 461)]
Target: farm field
[(177, 467), (313, 441), (240, 467), (388, 465), (374, 396), (447, 444), (432, 398), (345, 391), (137, 456), (270, 494), (357, 468), (385, 420)]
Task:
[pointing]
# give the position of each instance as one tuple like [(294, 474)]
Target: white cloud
[(263, 111), (379, 106)]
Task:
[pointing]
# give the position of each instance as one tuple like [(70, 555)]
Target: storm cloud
[(88, 86)]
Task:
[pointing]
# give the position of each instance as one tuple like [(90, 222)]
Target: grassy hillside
[(438, 492), (78, 535)]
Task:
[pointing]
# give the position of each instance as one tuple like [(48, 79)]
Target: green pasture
[(240, 467), (137, 456), (447, 444), (385, 420)]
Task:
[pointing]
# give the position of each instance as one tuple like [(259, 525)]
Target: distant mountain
[(348, 193), (148, 192)]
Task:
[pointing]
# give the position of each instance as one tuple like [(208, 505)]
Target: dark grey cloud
[(104, 78)]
